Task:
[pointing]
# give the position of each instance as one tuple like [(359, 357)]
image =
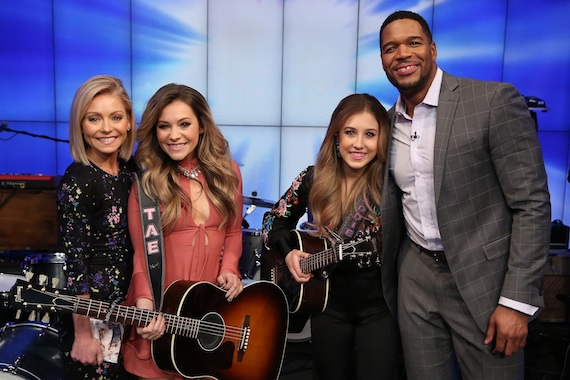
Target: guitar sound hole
[(211, 331)]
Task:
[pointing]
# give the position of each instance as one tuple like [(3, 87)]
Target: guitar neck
[(334, 254), (131, 315), (317, 261)]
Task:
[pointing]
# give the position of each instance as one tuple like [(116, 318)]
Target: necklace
[(189, 173)]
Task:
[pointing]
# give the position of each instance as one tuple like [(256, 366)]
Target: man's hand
[(509, 329)]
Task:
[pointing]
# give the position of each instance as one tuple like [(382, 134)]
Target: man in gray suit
[(466, 214)]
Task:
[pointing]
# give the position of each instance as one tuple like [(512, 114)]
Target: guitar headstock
[(363, 249), (34, 298), (363, 246)]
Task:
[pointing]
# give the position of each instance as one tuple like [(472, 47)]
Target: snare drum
[(6, 283), (51, 265), (30, 351), (250, 260)]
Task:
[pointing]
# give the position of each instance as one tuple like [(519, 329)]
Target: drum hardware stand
[(249, 210), (255, 264)]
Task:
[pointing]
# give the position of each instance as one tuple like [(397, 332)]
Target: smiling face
[(408, 58), (178, 131), (105, 126), (358, 141)]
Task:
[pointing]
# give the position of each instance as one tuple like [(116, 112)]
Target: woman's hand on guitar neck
[(292, 261), (155, 329)]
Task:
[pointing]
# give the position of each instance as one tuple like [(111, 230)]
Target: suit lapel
[(446, 108), (391, 117)]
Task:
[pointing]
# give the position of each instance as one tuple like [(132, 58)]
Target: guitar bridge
[(244, 338)]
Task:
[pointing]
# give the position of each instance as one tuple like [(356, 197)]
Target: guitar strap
[(153, 242), (352, 224), (353, 221)]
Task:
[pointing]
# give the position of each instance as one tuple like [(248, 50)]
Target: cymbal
[(248, 200)]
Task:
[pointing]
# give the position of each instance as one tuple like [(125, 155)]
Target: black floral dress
[(93, 233)]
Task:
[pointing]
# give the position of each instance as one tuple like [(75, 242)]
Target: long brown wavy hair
[(159, 177), (328, 206)]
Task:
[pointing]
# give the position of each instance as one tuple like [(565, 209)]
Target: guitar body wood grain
[(263, 306)]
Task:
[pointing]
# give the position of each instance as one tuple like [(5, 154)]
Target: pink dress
[(186, 257)]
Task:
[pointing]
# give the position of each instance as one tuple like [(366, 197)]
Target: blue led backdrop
[(272, 70)]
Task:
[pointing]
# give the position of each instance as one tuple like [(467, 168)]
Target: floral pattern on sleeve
[(285, 215)]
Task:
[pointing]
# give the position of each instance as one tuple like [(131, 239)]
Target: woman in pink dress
[(187, 166)]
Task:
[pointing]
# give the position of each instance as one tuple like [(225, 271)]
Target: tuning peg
[(45, 319), (32, 316), (43, 279), (18, 314), (54, 282), (29, 276)]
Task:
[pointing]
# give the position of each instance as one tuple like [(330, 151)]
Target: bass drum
[(30, 351)]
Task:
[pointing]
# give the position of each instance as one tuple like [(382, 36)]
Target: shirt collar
[(432, 96)]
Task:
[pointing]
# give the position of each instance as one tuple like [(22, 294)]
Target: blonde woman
[(356, 336), (92, 218), (187, 166)]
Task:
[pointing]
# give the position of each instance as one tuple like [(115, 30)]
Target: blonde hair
[(328, 206), (159, 177), (89, 90)]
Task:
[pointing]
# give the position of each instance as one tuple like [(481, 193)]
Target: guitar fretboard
[(330, 256), (317, 261), (129, 315), (177, 325)]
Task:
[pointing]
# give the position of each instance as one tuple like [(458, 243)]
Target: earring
[(337, 149), (128, 129)]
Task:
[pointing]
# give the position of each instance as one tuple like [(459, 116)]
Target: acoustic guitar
[(312, 297), (206, 336)]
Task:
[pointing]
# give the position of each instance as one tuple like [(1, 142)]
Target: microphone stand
[(4, 127)]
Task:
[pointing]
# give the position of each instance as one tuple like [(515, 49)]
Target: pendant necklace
[(189, 173)]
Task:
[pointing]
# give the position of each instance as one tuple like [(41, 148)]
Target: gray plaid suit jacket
[(492, 199)]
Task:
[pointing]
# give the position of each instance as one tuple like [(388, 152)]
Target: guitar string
[(316, 260), (185, 323), (283, 269)]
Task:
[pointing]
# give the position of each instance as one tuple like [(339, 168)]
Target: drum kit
[(28, 340), (252, 239)]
